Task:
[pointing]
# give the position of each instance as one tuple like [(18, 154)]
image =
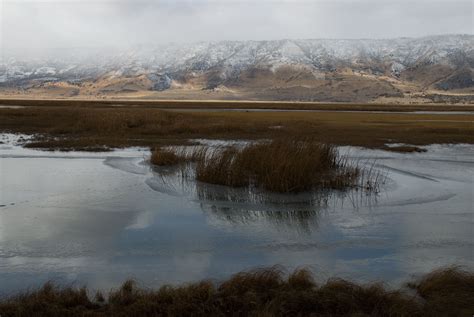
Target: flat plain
[(89, 125)]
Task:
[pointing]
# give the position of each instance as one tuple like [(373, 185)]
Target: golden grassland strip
[(232, 104), (264, 292), (88, 128)]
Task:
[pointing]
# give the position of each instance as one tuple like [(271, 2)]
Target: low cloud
[(51, 24)]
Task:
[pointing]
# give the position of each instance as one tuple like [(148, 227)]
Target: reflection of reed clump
[(234, 184), (210, 192), (266, 292), (242, 206), (298, 220)]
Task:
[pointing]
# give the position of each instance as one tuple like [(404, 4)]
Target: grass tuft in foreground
[(447, 291), (267, 292)]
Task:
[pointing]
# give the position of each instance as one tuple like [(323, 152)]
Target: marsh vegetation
[(72, 127), (166, 157), (229, 104), (284, 165), (264, 292), (299, 155)]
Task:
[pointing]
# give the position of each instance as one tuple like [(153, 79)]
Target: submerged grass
[(265, 292)]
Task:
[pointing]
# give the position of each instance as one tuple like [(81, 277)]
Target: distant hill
[(427, 69)]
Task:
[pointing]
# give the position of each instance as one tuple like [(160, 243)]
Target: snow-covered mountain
[(288, 69)]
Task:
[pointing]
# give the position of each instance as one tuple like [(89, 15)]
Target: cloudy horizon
[(51, 24)]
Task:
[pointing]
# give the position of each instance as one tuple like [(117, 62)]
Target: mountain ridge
[(439, 67)]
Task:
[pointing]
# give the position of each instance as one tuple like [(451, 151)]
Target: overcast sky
[(65, 23)]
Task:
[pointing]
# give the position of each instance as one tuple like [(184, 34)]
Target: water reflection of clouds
[(78, 219), (62, 208), (228, 206)]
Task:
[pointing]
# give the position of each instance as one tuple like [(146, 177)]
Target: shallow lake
[(97, 219)]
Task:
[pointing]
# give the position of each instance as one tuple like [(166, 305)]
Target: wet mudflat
[(99, 218)]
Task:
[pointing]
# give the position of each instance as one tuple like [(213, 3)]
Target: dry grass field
[(92, 128)]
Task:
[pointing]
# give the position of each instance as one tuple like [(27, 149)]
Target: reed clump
[(174, 155), (264, 292), (282, 165), (165, 157)]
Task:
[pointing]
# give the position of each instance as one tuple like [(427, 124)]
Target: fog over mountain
[(364, 50), (305, 70), (37, 24)]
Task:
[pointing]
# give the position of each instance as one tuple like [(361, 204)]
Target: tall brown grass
[(283, 165), (449, 292), (266, 292), (165, 157)]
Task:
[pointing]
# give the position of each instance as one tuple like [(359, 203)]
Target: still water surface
[(98, 218)]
